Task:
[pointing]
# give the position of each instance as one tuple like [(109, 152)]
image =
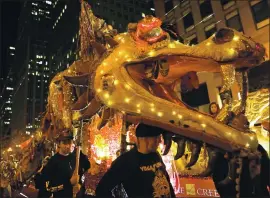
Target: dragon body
[(138, 74)]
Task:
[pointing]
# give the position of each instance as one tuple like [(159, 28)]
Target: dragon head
[(140, 79)]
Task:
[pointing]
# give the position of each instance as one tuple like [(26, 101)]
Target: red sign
[(195, 187)]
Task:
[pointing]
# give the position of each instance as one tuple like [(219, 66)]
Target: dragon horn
[(82, 80), (92, 109), (82, 101), (100, 49), (111, 41), (106, 113)]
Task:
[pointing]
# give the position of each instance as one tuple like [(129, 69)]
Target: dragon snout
[(258, 54), (259, 50)]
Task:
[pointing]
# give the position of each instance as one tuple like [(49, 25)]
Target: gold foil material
[(239, 80), (228, 77), (257, 106), (242, 80)]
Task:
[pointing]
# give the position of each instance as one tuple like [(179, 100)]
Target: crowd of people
[(140, 171)]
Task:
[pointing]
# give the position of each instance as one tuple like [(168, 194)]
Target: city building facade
[(30, 67), (196, 20), (6, 95), (119, 13)]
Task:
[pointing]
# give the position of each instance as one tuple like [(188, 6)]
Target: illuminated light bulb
[(229, 133), (203, 125), (174, 113), (116, 82), (208, 43), (231, 51), (127, 100), (122, 40), (151, 53), (126, 56), (160, 114), (106, 95), (247, 144), (138, 105), (152, 109), (32, 136), (116, 59), (69, 70), (109, 102), (102, 72), (138, 111), (171, 45), (127, 86), (236, 38), (120, 52), (179, 116), (129, 59), (98, 90), (104, 63), (152, 104), (199, 116), (161, 146), (251, 137)]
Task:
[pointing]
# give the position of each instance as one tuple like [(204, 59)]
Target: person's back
[(142, 174)]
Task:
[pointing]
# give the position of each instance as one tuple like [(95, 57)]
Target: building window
[(188, 19), (168, 5), (205, 8), (233, 21), (112, 12), (192, 40), (191, 97), (210, 30), (227, 3), (184, 3), (260, 12), (119, 14)]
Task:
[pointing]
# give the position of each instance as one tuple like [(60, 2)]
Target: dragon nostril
[(223, 35)]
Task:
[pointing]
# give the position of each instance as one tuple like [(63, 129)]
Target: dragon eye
[(223, 35)]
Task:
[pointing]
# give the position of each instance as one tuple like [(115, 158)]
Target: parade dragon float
[(136, 76)]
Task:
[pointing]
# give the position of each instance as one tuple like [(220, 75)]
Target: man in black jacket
[(141, 170), (58, 173)]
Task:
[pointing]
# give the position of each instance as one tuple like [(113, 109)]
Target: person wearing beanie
[(140, 171), (58, 173)]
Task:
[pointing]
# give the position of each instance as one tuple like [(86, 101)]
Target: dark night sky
[(10, 11)]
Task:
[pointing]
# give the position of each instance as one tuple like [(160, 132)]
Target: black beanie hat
[(64, 135), (143, 130)]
